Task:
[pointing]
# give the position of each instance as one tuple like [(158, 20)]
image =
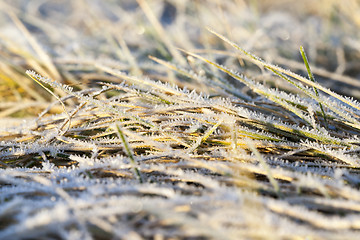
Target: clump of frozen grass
[(191, 156), (175, 143)]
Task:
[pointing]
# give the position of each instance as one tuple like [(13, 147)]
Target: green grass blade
[(311, 76), (129, 153)]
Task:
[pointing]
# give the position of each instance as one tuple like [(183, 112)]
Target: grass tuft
[(169, 131)]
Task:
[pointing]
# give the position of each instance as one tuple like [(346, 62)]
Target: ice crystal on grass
[(197, 145)]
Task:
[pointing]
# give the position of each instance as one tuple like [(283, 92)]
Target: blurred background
[(66, 40)]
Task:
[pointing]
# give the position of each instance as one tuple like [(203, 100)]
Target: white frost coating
[(83, 161), (221, 186), (58, 214), (48, 166)]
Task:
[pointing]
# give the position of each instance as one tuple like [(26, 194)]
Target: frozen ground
[(158, 140)]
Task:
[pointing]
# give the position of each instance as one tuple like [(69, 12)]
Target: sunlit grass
[(179, 120)]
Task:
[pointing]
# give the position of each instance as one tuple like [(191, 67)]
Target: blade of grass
[(46, 60), (311, 76), (38, 81), (206, 136), (271, 178), (160, 31), (129, 153)]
